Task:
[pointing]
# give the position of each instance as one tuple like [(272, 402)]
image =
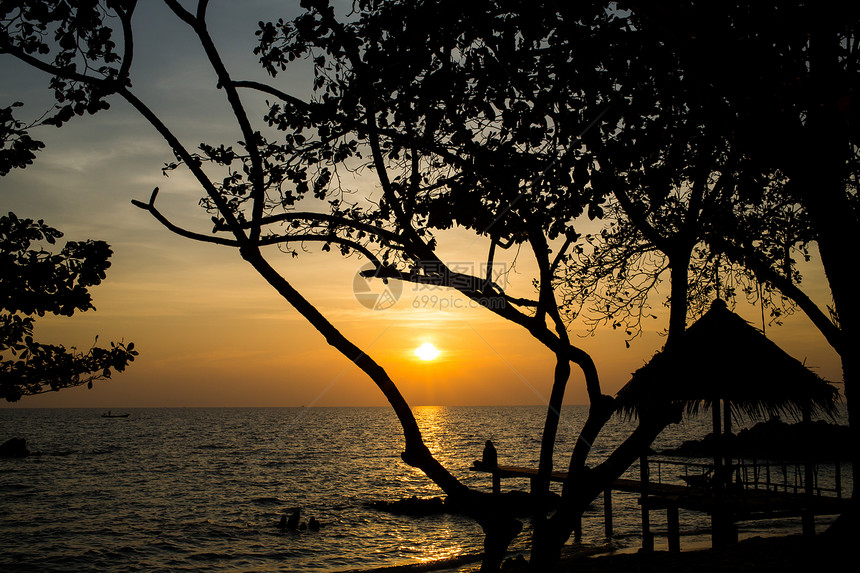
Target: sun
[(427, 352)]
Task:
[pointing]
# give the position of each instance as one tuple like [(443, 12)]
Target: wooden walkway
[(726, 507)]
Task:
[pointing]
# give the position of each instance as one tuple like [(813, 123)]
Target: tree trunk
[(836, 239), (679, 265), (546, 549), (498, 534), (582, 485), (547, 540), (550, 430), (818, 176)]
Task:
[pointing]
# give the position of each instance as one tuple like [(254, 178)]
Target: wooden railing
[(786, 477)]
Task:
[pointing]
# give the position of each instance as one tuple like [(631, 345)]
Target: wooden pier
[(741, 499)]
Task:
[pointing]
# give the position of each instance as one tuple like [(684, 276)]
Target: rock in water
[(14, 448)]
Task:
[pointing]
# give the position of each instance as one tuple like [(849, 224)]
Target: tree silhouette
[(34, 282), (788, 78), (461, 112)]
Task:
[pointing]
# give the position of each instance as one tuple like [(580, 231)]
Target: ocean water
[(192, 489)]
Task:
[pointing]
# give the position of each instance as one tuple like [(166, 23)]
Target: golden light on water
[(427, 352), (429, 554)]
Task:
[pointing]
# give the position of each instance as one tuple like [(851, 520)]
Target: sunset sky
[(210, 331)]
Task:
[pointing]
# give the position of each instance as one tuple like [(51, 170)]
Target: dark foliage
[(33, 282), (774, 439)]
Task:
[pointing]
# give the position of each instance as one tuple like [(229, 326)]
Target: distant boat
[(109, 415)]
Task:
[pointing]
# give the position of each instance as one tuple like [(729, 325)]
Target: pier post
[(808, 515), (647, 536), (607, 511), (838, 486), (807, 520), (673, 526)]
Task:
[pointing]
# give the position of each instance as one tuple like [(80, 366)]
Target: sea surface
[(191, 489)]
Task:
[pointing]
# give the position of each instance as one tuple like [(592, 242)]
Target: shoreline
[(759, 553), (777, 553)]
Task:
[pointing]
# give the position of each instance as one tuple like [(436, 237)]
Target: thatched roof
[(722, 357)]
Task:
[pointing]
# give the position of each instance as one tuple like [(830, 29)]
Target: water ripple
[(194, 489)]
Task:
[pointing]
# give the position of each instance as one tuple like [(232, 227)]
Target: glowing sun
[(427, 352)]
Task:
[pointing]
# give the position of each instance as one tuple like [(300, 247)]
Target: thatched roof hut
[(723, 357)]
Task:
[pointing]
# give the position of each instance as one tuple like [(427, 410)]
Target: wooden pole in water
[(607, 511)]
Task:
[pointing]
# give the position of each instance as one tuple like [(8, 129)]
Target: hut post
[(718, 515)]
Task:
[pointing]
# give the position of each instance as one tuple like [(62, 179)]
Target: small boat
[(109, 415)]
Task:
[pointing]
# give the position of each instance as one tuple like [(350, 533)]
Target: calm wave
[(192, 489)]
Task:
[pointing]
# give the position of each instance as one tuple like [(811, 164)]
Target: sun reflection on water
[(435, 425)]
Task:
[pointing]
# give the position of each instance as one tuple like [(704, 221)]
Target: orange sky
[(212, 333)]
